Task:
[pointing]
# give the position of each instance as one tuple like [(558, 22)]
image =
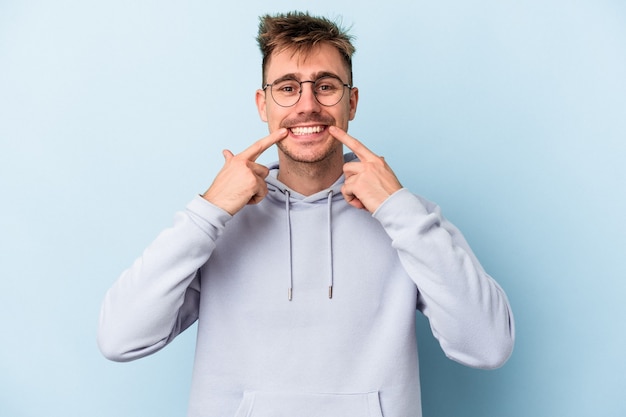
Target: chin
[(308, 154)]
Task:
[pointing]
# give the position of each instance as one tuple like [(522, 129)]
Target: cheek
[(345, 116), (275, 116)]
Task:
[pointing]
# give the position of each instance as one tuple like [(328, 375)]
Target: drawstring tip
[(330, 292), (289, 294)]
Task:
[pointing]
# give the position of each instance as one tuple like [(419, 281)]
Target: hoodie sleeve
[(469, 313), (158, 296)]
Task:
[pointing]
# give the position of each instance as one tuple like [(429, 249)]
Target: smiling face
[(308, 140)]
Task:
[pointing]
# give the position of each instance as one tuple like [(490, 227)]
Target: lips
[(307, 130)]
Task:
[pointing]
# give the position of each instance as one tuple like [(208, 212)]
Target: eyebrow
[(316, 76)]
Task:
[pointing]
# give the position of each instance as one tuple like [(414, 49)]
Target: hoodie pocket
[(283, 404)]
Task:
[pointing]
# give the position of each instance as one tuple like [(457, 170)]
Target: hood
[(292, 199)]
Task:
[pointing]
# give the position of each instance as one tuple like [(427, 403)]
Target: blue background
[(511, 115)]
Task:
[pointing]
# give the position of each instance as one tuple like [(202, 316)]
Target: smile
[(306, 130)]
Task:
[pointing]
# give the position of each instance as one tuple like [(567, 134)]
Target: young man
[(305, 276)]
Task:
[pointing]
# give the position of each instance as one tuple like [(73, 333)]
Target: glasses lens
[(286, 93), (328, 90)]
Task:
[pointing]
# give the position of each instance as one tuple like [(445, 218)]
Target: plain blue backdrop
[(511, 115)]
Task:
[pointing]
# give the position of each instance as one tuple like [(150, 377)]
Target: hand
[(369, 182), (241, 180)]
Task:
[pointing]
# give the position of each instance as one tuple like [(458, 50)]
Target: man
[(305, 276)]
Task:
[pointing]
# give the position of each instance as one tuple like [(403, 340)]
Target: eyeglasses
[(328, 90)]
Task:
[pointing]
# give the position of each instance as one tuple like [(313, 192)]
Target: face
[(307, 120)]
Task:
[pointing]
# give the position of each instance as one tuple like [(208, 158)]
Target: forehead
[(324, 58)]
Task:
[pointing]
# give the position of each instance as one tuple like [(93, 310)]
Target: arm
[(468, 312), (158, 297)]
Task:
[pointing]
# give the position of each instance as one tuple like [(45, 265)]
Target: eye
[(327, 85), (288, 87)]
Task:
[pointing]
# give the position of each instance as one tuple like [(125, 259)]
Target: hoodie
[(306, 305)]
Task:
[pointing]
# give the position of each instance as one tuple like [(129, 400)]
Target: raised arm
[(158, 296), (468, 311)]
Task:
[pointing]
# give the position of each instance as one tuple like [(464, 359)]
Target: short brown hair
[(303, 32)]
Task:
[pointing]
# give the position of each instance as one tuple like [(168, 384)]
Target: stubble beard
[(307, 156)]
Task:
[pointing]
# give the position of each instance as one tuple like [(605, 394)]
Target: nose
[(308, 102)]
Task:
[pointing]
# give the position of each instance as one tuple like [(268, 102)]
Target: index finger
[(360, 150), (257, 148)]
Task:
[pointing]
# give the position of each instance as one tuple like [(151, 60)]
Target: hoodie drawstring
[(290, 245), (330, 244), (287, 209)]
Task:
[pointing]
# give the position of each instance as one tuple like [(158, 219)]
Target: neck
[(308, 178)]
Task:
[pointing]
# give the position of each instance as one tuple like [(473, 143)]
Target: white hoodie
[(271, 340)]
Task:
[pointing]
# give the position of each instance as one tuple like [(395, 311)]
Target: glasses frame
[(313, 82)]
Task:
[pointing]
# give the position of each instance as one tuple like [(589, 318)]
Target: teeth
[(309, 130)]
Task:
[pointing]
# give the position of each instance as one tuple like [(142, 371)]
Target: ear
[(261, 104), (354, 100)]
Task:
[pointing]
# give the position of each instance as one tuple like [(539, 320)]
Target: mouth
[(307, 130)]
